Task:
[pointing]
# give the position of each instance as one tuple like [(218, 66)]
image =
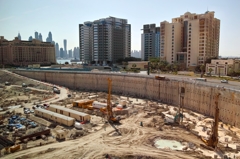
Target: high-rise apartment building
[(104, 41), (150, 40), (23, 53), (190, 39)]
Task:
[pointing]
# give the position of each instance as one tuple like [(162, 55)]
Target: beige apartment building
[(23, 53), (222, 67), (190, 39)]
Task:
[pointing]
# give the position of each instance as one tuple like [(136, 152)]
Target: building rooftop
[(55, 114), (83, 100), (69, 110)]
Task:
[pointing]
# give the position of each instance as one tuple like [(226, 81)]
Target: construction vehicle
[(85, 104), (56, 90), (213, 140), (160, 77), (108, 110)]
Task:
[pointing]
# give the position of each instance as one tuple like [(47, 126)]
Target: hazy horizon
[(63, 17)]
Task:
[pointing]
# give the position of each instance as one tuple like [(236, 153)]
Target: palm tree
[(210, 71), (202, 68)]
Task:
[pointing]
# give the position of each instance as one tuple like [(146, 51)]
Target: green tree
[(175, 66), (124, 64), (169, 67), (231, 72), (210, 71), (202, 68), (162, 65), (154, 59)]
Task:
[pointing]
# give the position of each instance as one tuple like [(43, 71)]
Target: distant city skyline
[(25, 16)]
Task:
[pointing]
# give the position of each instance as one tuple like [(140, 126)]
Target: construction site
[(114, 116)]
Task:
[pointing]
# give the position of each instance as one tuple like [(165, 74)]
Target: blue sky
[(62, 17)]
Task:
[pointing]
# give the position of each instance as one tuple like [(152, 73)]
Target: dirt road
[(134, 141)]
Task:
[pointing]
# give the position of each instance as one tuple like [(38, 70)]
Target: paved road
[(234, 85), (213, 82)]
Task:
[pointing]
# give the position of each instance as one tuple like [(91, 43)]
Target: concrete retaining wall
[(197, 97)]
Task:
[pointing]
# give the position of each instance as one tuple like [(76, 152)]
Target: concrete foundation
[(197, 97)]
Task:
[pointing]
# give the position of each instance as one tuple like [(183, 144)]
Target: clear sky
[(62, 17)]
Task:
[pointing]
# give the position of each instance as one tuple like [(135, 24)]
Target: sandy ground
[(135, 141)]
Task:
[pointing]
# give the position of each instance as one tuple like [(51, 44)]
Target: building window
[(226, 63)]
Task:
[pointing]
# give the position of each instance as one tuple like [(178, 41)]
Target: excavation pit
[(168, 144)]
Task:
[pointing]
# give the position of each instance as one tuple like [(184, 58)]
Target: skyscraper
[(61, 53), (190, 39), (150, 41), (36, 35), (19, 36), (57, 50), (30, 38), (70, 53), (40, 37), (65, 47), (50, 37), (74, 52), (105, 40)]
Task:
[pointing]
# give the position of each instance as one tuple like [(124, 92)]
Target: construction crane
[(108, 110), (213, 140)]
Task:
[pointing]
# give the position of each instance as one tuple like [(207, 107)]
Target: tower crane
[(213, 140)]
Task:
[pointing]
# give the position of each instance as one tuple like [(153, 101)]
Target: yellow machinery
[(213, 140), (108, 110), (85, 104)]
